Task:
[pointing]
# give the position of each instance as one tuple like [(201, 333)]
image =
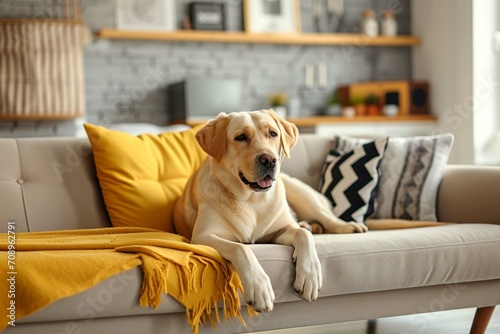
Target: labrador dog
[(239, 196)]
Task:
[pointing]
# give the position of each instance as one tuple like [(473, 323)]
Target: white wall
[(457, 58), (445, 59), (486, 120)]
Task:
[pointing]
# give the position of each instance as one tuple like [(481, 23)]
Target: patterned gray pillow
[(409, 175)]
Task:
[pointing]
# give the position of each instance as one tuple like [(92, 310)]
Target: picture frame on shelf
[(207, 16), (146, 15), (272, 16)]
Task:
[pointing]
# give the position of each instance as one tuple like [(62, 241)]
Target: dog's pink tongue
[(265, 182)]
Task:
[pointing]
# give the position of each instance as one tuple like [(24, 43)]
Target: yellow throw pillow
[(142, 177)]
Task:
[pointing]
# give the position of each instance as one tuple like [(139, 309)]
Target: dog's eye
[(273, 134), (241, 138)]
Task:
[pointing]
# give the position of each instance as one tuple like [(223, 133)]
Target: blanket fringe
[(196, 275), (155, 285)]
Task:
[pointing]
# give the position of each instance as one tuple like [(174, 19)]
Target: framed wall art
[(272, 16), (146, 15), (207, 16)]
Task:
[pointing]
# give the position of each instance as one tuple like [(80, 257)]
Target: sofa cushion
[(410, 173), (351, 264), (143, 176), (391, 260), (350, 178)]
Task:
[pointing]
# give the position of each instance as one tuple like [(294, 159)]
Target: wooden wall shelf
[(244, 37), (39, 117), (319, 120)]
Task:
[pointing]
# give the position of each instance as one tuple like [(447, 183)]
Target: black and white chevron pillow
[(409, 174), (349, 180)]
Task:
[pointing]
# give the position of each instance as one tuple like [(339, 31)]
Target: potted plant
[(372, 104), (278, 103), (358, 102), (333, 107)]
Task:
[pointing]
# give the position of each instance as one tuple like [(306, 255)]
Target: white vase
[(369, 25), (388, 24), (280, 110), (294, 107), (348, 112), (390, 110)]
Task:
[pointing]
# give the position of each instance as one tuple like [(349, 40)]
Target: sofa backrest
[(307, 158), (49, 184)]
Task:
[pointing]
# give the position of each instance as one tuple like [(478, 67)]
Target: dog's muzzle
[(266, 173)]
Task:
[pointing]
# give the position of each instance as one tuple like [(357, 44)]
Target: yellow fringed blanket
[(48, 266)]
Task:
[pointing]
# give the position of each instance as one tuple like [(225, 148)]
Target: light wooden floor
[(448, 322)]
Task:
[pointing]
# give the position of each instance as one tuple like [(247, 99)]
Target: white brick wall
[(126, 80)]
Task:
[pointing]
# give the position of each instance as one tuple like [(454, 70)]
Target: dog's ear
[(289, 132), (212, 137)]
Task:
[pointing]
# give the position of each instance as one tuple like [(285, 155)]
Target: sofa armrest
[(469, 194)]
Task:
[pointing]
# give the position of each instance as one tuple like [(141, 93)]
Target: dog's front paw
[(308, 277), (258, 292), (353, 227)]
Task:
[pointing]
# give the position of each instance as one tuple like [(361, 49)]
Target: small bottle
[(369, 25), (388, 23)]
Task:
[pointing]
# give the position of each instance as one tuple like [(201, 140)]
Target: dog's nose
[(267, 160)]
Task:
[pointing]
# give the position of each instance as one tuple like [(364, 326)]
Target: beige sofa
[(50, 184)]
